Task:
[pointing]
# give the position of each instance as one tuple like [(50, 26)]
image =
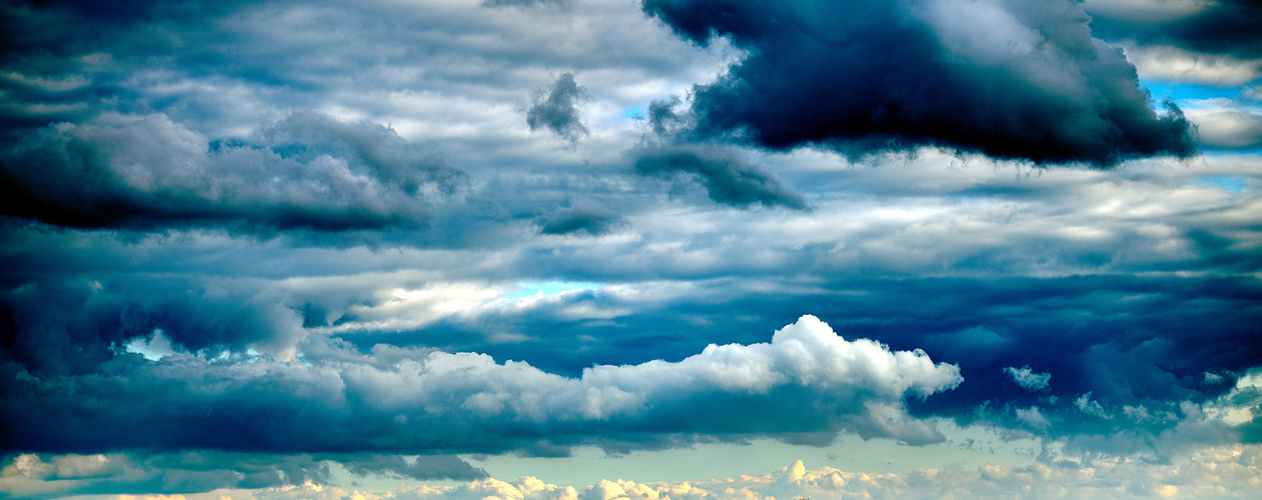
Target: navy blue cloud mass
[(1223, 27), (875, 75), (938, 247)]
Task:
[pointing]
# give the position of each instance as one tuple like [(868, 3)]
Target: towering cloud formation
[(874, 75)]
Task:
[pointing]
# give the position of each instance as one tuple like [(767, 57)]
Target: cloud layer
[(1219, 473), (306, 171), (806, 381)]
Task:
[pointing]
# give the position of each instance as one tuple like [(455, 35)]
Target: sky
[(641, 249)]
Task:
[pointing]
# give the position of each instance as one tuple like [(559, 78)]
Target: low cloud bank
[(1224, 472), (806, 385)]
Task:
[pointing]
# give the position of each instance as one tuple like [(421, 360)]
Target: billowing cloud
[(870, 76), (807, 380), (556, 109)]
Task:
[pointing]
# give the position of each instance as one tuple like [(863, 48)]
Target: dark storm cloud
[(1231, 27), (556, 109), (727, 177), (306, 171), (873, 75)]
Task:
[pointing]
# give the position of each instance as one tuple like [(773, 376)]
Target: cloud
[(807, 380), (1227, 124), (875, 76), (964, 261), (727, 177), (1172, 63), (1227, 27), (422, 467), (724, 171), (556, 109), (1220, 472), (33, 476), (909, 265), (1033, 417), (306, 171), (241, 227), (58, 476), (1085, 404), (194, 315), (1029, 379), (520, 3), (582, 217)]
